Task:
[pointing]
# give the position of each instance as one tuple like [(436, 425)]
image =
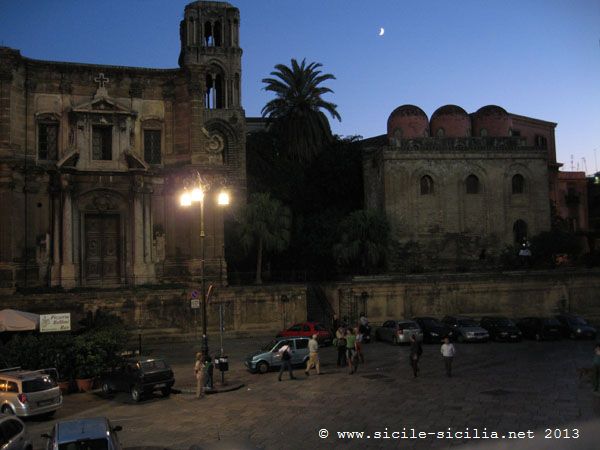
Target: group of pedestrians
[(416, 351), (349, 343)]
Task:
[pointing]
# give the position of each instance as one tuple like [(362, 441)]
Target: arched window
[(440, 132), (426, 185), (472, 184), (518, 184), (520, 231), (483, 132)]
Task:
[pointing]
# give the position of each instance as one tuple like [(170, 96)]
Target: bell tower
[(210, 47)]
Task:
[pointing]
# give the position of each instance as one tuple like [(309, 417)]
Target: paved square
[(503, 388)]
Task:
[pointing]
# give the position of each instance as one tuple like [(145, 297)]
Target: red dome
[(491, 120), (450, 121), (407, 122)]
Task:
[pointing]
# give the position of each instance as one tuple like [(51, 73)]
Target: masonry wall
[(247, 310), (515, 295)]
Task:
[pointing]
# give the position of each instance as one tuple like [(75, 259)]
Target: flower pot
[(84, 384), (64, 386)]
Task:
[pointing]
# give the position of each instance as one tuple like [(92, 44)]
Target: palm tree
[(363, 240), (265, 222), (297, 109)]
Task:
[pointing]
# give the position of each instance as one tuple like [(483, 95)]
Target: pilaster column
[(148, 226), (67, 269), (56, 213)]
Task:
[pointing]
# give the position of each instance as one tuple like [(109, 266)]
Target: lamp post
[(187, 199)]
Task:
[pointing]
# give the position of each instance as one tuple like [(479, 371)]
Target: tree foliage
[(363, 240), (264, 225), (296, 112)]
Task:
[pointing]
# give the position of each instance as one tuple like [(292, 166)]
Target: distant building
[(572, 200), (593, 196), (93, 159), (459, 187)]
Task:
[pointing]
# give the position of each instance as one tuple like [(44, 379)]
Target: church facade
[(94, 158), (458, 188)]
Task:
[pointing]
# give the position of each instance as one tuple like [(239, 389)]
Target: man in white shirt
[(448, 351), (313, 359)]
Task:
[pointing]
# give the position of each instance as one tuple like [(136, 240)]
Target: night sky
[(539, 58)]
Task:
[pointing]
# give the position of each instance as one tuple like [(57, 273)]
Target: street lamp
[(188, 198)]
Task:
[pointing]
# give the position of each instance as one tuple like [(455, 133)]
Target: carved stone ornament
[(216, 144), (102, 202)]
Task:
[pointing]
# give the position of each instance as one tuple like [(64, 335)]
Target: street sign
[(195, 303), (55, 322), (195, 294)]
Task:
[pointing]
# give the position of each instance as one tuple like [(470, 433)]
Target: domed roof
[(491, 120), (407, 122), (450, 121), (449, 110), (491, 110), (408, 110)]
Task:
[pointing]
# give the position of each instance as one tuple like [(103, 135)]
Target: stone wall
[(514, 294), (247, 310)]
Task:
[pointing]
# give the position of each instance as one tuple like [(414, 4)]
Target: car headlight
[(579, 330), (503, 333), (470, 334), (434, 334)]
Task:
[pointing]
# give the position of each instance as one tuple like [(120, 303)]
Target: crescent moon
[(381, 31)]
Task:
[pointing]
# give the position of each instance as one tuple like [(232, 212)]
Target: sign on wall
[(55, 322)]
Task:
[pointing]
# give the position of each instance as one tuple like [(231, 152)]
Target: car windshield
[(503, 322), (467, 323), (38, 384), (408, 325), (551, 322), (577, 321), (269, 346), (85, 444), (432, 323), (319, 328), (156, 364)]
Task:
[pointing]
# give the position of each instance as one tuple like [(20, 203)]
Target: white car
[(13, 434)]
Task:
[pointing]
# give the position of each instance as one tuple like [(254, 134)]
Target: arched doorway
[(520, 231)]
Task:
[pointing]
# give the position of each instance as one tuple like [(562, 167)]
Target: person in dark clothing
[(416, 350), (285, 352), (596, 367), (340, 336), (335, 324)]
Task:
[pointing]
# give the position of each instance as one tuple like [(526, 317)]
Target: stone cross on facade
[(101, 80)]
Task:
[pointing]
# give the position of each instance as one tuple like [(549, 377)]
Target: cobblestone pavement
[(522, 387)]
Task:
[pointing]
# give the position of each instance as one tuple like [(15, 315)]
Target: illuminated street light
[(197, 196)]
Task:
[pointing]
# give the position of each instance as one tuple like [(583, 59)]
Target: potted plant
[(89, 362)]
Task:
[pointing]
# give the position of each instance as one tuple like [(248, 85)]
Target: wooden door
[(102, 245)]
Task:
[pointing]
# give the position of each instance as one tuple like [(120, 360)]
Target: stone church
[(457, 188), (93, 159)]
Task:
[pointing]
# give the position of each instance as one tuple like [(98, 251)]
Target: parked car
[(433, 329), (307, 329), (398, 331), (539, 328), (139, 376), (576, 327), (13, 434), (501, 329), (84, 434), (466, 329), (268, 356), (28, 393)]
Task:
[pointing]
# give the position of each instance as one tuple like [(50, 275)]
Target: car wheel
[(460, 338), (7, 410), (262, 367), (106, 388), (136, 394), (166, 391)]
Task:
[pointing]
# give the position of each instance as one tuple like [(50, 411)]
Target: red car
[(308, 329)]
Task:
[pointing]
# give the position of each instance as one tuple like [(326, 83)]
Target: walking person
[(596, 368), (359, 345), (313, 359), (416, 350), (199, 374), (340, 336), (448, 351), (285, 353), (350, 350)]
